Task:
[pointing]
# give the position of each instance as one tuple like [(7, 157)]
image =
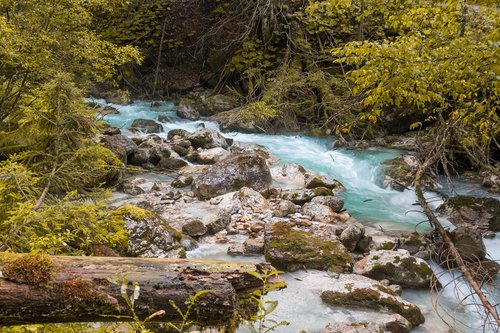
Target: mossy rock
[(358, 291), (290, 250)]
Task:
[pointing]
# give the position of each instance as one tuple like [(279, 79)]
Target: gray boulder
[(231, 174), (335, 203), (188, 109), (359, 291), (147, 126), (399, 267), (207, 138), (211, 156)]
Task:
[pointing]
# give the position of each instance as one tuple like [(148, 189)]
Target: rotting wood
[(81, 291)]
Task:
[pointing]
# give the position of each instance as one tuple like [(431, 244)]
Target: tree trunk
[(81, 290)]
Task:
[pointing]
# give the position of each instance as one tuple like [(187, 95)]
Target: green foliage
[(261, 321)]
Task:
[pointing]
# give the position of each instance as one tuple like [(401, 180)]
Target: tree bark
[(81, 290)]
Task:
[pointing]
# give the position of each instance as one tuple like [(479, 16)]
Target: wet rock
[(236, 249), (352, 235), (150, 236), (178, 133), (399, 267), (468, 242), (335, 203), (300, 197), (319, 212), (207, 138), (164, 119), (111, 130), (117, 97), (194, 228), (359, 291), (211, 156), (158, 186), (232, 120), (109, 110), (231, 174), (147, 126), (121, 145), (492, 181), (217, 222), (290, 250), (245, 147), (483, 213), (133, 186), (188, 109), (170, 163), (400, 173), (284, 208), (182, 181), (385, 323), (314, 181), (415, 243)]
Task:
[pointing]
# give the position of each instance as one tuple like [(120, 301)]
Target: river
[(361, 172)]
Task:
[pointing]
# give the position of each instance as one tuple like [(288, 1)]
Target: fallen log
[(80, 290)]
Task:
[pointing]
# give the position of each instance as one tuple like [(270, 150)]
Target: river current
[(361, 172)]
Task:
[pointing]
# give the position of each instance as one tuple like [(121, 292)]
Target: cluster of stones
[(235, 193)]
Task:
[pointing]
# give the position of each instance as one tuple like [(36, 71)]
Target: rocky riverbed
[(217, 197)]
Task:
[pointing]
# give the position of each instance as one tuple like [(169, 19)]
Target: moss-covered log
[(78, 289)]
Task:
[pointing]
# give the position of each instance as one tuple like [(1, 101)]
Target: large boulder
[(251, 200), (359, 291), (207, 138), (147, 126), (220, 103), (314, 181), (178, 133), (211, 156), (188, 109), (194, 228), (483, 213), (171, 163), (231, 174), (234, 120), (399, 267), (290, 250), (351, 236), (319, 212), (121, 145), (335, 203), (469, 243), (149, 236)]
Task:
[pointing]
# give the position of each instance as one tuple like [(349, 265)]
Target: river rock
[(134, 186), (399, 267), (290, 250), (188, 109), (254, 246), (207, 138), (194, 228), (239, 147), (314, 181), (177, 134), (300, 197), (147, 126), (285, 208), (335, 203), (290, 173), (251, 200), (111, 130), (211, 156), (121, 145), (483, 213), (352, 235), (231, 174), (232, 120), (400, 173), (171, 163), (109, 110), (359, 291), (319, 212), (393, 323), (492, 181), (164, 118), (468, 242), (182, 181), (151, 237)]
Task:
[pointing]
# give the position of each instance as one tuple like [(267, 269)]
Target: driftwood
[(81, 290)]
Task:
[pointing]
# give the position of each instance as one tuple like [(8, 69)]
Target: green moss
[(84, 294), (134, 212), (30, 269), (371, 298), (322, 191), (422, 269), (389, 245), (298, 249)]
